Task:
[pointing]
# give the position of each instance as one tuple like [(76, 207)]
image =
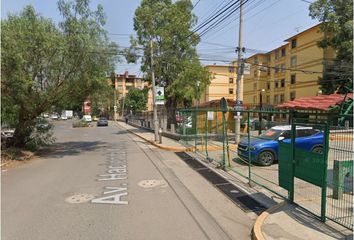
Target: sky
[(267, 23)]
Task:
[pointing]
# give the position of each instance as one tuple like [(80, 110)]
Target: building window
[(231, 91), (254, 99), (282, 68), (120, 88), (276, 54), (255, 60), (231, 80), (255, 73), (282, 98), (276, 83), (283, 52), (268, 99), (231, 69), (293, 79), (292, 96), (282, 83), (275, 99), (254, 86), (268, 86), (293, 62), (293, 43), (276, 68)]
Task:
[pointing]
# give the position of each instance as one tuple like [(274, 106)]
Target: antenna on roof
[(297, 29)]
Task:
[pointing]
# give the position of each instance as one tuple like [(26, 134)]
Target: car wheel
[(318, 149), (266, 158)]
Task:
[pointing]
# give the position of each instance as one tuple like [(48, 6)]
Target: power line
[(195, 4)]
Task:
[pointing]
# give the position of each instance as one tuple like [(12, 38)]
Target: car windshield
[(271, 134), (103, 119)]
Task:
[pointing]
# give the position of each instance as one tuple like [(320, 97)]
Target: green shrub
[(78, 124)]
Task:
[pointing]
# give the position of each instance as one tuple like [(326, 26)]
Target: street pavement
[(105, 183), (282, 220)]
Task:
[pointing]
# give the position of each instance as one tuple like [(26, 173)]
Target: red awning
[(322, 102)]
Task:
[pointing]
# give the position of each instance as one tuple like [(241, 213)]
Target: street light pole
[(156, 127), (239, 76)]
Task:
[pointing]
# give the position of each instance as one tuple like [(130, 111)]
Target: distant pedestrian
[(126, 119)]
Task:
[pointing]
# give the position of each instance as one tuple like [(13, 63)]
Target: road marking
[(116, 169), (113, 199)]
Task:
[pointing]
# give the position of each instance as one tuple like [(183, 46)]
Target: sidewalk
[(281, 221)]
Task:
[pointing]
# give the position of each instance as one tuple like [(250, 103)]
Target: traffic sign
[(160, 95), (223, 105)]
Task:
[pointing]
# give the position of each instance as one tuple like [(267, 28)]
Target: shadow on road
[(62, 149)]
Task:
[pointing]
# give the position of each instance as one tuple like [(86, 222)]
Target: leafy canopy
[(337, 24), (136, 99), (44, 65), (168, 25)]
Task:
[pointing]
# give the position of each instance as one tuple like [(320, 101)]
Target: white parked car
[(87, 118), (54, 116), (63, 117)]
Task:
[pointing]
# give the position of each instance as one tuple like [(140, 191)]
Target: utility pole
[(156, 125), (239, 76)]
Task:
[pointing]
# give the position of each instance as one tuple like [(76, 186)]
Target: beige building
[(283, 74), (222, 83), (122, 84), (289, 71)]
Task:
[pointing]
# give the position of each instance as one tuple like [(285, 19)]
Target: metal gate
[(303, 166), (321, 179)]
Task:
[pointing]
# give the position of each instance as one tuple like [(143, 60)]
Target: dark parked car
[(254, 124), (102, 121)]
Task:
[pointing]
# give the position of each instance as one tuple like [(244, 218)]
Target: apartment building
[(122, 83), (222, 83), (287, 72)]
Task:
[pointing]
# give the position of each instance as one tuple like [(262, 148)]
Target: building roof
[(294, 36), (321, 103)]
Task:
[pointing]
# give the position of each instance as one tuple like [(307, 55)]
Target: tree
[(337, 24), (176, 65), (136, 99), (44, 65)]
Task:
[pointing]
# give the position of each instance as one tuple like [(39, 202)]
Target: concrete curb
[(168, 148), (257, 227), (4, 164)]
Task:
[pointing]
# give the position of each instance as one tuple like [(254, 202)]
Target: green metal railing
[(212, 134)]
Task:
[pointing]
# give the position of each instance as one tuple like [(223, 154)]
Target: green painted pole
[(206, 135), (325, 165), (248, 148), (195, 130), (223, 141), (292, 158)]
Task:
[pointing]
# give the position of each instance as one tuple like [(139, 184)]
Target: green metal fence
[(328, 193)]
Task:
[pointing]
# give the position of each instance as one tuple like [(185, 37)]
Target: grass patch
[(79, 124)]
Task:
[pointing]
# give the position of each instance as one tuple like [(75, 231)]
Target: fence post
[(324, 182), (223, 141), (292, 157), (195, 136), (206, 135), (248, 148)]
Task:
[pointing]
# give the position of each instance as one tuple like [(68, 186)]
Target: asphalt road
[(103, 183)]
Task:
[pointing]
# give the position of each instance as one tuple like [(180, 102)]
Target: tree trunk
[(22, 132), (171, 112)]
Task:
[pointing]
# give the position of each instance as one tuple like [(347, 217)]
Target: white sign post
[(210, 116), (160, 95), (247, 69)]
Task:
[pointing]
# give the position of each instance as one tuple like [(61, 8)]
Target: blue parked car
[(264, 148)]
